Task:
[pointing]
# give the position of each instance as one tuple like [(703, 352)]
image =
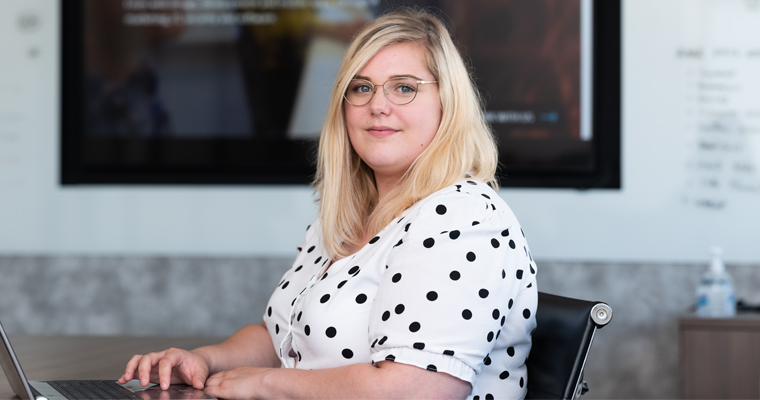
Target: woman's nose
[(379, 103)]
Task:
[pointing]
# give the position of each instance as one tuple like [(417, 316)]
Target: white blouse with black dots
[(450, 286)]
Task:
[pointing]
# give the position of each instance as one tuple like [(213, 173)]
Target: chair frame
[(587, 316)]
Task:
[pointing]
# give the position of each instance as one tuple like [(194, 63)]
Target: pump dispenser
[(715, 292)]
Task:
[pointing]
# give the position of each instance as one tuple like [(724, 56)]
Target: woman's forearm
[(362, 381), (250, 346)]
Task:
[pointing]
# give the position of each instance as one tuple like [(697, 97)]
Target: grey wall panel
[(135, 296)]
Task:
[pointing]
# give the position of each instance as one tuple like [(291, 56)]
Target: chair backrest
[(565, 328)]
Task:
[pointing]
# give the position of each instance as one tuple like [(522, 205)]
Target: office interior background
[(202, 260)]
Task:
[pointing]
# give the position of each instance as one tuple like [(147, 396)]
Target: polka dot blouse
[(449, 286)]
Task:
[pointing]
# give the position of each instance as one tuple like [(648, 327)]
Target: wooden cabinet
[(720, 358)]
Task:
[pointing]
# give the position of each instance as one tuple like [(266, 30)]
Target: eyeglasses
[(399, 91)]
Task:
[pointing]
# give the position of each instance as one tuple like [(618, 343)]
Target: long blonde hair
[(345, 185)]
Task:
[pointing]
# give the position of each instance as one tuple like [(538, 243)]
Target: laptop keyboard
[(92, 390)]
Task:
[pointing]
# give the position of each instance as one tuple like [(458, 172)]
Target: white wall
[(668, 209)]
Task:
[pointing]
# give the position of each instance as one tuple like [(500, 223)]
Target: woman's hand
[(168, 367), (239, 383)]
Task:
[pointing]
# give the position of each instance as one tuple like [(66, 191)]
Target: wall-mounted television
[(235, 91)]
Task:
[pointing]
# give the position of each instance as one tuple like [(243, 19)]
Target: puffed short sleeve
[(444, 298)]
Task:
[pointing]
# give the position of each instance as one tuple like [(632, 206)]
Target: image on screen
[(201, 85)]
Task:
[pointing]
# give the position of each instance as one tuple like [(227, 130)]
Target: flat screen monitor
[(235, 91)]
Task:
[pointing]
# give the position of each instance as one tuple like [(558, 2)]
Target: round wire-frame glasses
[(399, 91)]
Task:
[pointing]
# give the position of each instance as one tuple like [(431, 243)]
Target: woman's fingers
[(214, 385), (215, 391), (145, 366), (194, 370), (198, 382), (129, 371), (165, 366), (216, 379), (239, 383)]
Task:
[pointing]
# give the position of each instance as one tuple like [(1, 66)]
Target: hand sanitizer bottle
[(715, 292)]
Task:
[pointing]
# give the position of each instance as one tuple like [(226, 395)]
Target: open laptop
[(76, 390)]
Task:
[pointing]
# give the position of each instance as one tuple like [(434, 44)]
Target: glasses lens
[(401, 90), (359, 92)]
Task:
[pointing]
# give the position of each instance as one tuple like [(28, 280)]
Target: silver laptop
[(77, 390)]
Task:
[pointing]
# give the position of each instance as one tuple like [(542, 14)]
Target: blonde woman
[(415, 280)]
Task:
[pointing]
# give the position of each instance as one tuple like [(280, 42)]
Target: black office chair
[(561, 342)]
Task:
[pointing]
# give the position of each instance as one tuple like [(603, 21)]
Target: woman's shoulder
[(467, 204), (466, 196)]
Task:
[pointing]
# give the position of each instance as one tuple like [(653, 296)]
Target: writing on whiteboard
[(722, 120)]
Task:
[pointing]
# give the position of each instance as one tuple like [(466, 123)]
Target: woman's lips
[(381, 131)]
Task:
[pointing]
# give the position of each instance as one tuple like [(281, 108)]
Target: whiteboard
[(690, 159)]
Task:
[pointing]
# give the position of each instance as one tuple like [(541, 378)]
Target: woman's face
[(387, 136)]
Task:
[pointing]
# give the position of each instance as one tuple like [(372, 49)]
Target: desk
[(720, 357), (86, 357)]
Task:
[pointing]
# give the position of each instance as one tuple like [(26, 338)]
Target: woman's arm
[(250, 346), (389, 380)]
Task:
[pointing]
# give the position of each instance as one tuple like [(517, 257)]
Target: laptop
[(78, 389)]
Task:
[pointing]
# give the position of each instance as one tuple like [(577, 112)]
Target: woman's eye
[(404, 89), (361, 88)]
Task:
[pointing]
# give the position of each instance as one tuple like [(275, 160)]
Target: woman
[(415, 280)]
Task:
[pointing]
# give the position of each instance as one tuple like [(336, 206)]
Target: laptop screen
[(12, 369)]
